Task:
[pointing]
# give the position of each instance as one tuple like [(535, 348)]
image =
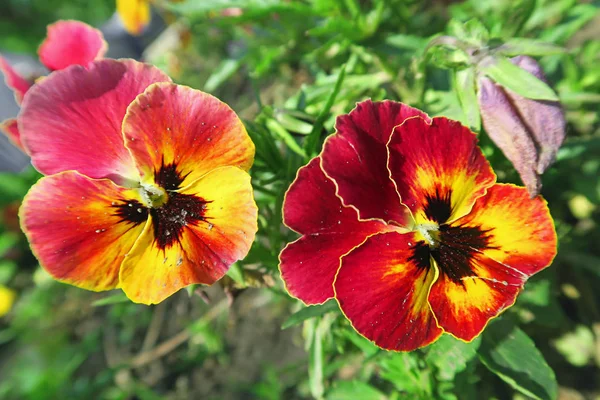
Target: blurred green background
[(288, 68)]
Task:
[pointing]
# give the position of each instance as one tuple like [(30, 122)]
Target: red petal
[(519, 240), (382, 288), (355, 158), (186, 128), (72, 119), (71, 43), (438, 168), (308, 266), (13, 80), (76, 230), (464, 307)]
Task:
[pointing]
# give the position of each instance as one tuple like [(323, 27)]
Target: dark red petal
[(356, 156), (308, 266)]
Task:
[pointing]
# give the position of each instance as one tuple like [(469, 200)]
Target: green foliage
[(289, 68)]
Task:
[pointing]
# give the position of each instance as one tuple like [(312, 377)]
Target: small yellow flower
[(7, 299)]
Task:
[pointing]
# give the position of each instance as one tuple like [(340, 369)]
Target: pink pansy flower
[(146, 186), (67, 43)]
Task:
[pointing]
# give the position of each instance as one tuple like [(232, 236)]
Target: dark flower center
[(170, 215), (452, 247)]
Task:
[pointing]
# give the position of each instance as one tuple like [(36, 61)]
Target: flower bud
[(529, 132)]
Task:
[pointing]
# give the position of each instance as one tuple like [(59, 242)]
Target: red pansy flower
[(402, 221), (67, 43), (146, 187)]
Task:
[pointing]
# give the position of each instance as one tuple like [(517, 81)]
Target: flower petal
[(72, 119), (356, 156), (463, 307), (382, 288), (193, 238), (185, 129), (80, 229), (520, 230), (10, 128), (438, 169), (308, 265), (13, 80), (506, 238), (71, 42), (135, 15)]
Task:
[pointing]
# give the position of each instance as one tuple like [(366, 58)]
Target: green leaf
[(237, 274), (509, 353), (312, 140), (279, 131), (517, 79), (408, 42), (309, 312), (319, 329), (531, 47), (112, 299), (290, 121), (191, 7), (367, 347), (222, 72), (352, 390), (578, 346), (450, 356), (403, 370), (464, 84)]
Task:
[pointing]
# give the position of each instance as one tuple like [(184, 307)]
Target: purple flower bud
[(505, 127), (529, 132), (545, 119)]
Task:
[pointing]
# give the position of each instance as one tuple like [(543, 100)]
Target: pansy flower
[(146, 186), (67, 43), (403, 223)]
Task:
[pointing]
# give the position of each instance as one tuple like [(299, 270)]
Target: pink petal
[(72, 119), (13, 80), (69, 43), (10, 128)]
